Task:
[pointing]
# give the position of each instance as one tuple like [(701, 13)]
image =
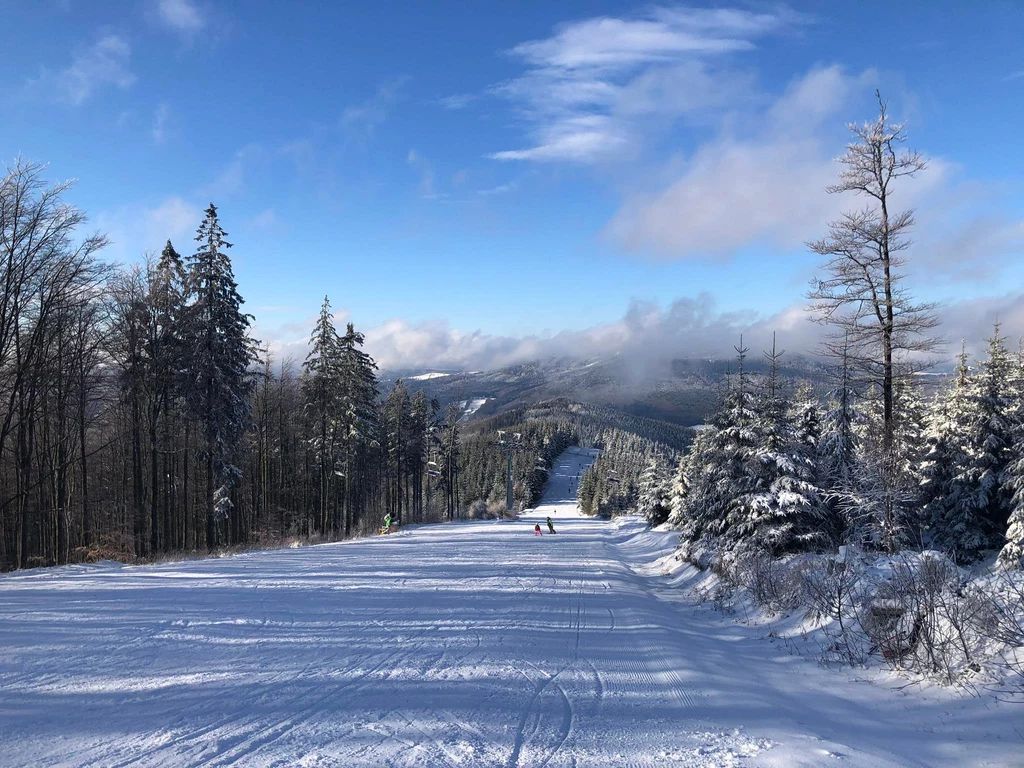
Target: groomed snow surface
[(470, 407), (470, 644)]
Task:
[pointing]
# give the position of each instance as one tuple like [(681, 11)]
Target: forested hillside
[(139, 417), (612, 484), (545, 430), (676, 390)]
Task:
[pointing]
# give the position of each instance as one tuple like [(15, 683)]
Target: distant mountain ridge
[(682, 391)]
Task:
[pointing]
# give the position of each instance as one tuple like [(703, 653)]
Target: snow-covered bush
[(926, 617), (478, 510), (915, 612), (1002, 623), (704, 553), (775, 584), (834, 590)]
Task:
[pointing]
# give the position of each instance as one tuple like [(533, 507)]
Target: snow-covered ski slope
[(473, 644)]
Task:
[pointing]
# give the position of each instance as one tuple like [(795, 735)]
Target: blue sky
[(476, 183)]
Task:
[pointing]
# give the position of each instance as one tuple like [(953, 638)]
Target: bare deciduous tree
[(863, 297), (878, 326)]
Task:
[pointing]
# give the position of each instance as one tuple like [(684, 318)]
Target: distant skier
[(551, 526), (536, 530), (387, 523)]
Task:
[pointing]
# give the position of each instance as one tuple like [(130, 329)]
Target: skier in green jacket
[(551, 525)]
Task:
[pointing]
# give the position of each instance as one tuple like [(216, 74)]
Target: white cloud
[(102, 64), (160, 117), (425, 168), (590, 89), (231, 181), (182, 16), (172, 218), (363, 119), (457, 100), (964, 241), (264, 219), (769, 187), (647, 331), (581, 139), (973, 320), (138, 229), (647, 335), (498, 190), (615, 92), (608, 43)]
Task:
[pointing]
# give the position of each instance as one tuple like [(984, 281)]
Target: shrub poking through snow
[(915, 612)]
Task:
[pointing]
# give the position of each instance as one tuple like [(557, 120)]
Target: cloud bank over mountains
[(647, 334)]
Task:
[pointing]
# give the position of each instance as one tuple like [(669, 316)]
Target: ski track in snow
[(466, 644)]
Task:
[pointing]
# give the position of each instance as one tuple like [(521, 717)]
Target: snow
[(428, 376), (469, 407), (465, 644)]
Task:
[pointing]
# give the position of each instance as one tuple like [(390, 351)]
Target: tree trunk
[(138, 499), (154, 483), (211, 529), (87, 527)]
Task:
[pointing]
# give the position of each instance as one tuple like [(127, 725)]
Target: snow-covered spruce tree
[(806, 419), (680, 487), (982, 487), (359, 420), (219, 377), (805, 427), (585, 494), (909, 450), (838, 449), (911, 428), (780, 509), (164, 352), (450, 451), (654, 502), (1017, 385), (1012, 553), (738, 496), (396, 430), (693, 505), (882, 507), (421, 418), (321, 389), (953, 524)]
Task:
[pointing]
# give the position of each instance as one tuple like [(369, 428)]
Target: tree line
[(873, 462), (548, 428), (138, 416), (611, 485)]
